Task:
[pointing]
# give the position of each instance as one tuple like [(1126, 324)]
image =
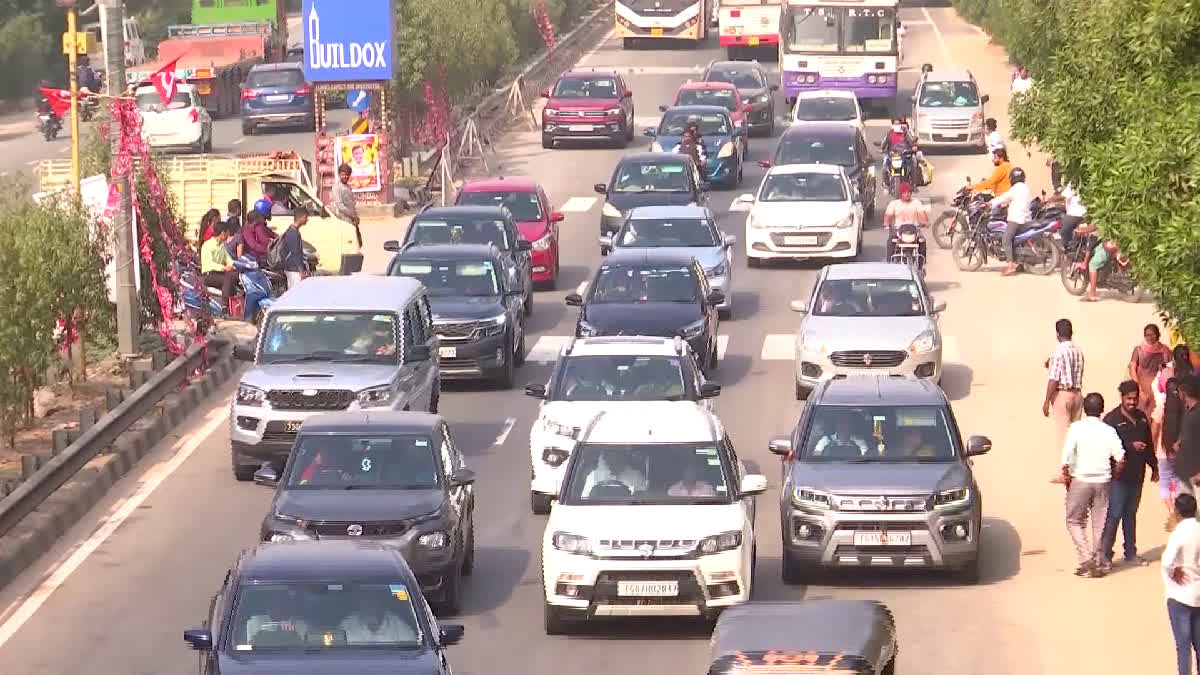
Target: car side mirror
[(606, 242), (978, 445), (574, 300), (545, 93), (715, 297), (557, 217), (417, 354), (939, 307), (243, 353), (728, 240), (451, 633), (780, 445), (985, 98), (649, 132), (535, 390), (524, 245), (774, 87), (753, 484), (462, 477), (267, 476), (600, 188), (201, 639), (391, 245), (710, 390), (799, 306)]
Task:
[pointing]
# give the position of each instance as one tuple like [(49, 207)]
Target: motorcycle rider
[(901, 139), (256, 236), (690, 143), (1076, 211), (999, 182), (87, 76), (904, 211), (1019, 200)]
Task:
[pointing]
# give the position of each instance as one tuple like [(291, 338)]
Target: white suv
[(182, 124), (604, 373), (655, 518)]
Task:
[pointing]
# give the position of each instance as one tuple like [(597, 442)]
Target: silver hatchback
[(948, 109)]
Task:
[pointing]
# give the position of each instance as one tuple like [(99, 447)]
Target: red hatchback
[(721, 94), (530, 207)]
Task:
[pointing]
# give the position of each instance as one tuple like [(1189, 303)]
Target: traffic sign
[(358, 100), (344, 44)]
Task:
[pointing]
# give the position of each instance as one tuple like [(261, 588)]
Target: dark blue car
[(718, 135), (316, 607), (277, 95)]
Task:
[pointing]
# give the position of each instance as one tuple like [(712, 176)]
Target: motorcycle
[(88, 107), (49, 125), (968, 209), (1033, 245), (906, 242), (1117, 275), (896, 171)]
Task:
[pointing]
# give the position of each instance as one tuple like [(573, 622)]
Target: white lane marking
[(240, 141), (779, 347), (950, 353), (503, 435), (578, 205), (546, 349), (33, 162), (22, 610), (937, 33), (722, 345), (599, 45)]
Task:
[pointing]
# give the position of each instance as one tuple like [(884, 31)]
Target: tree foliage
[(1117, 101)]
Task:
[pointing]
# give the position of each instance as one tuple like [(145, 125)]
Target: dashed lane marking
[(722, 345), (778, 347), (937, 33), (505, 431), (546, 349), (240, 141), (578, 205)]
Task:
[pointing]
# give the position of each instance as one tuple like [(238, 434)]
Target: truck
[(748, 26), (201, 182), (214, 57)]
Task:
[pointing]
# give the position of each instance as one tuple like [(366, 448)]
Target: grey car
[(875, 474), (948, 110), (865, 319), (755, 89), (683, 229)]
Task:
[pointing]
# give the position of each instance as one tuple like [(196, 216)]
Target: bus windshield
[(868, 30), (840, 30), (811, 29)]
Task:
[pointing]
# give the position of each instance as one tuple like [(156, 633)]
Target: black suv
[(752, 85), (657, 293), (476, 225), (649, 179), (392, 477), (304, 607), (831, 143), (476, 308)]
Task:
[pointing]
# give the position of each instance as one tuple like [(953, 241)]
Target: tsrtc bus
[(662, 20), (748, 24), (840, 44)]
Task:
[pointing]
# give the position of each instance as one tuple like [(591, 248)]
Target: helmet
[(262, 206), (1017, 175)]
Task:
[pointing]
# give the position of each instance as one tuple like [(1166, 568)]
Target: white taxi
[(182, 124)]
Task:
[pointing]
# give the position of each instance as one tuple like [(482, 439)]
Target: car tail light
[(194, 115), (248, 94), (735, 13), (303, 91)]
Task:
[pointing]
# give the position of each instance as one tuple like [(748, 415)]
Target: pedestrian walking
[(1147, 360), (292, 249), (1064, 400), (342, 202), (1087, 470), (1125, 493), (994, 140), (1181, 579), (1187, 447), (1172, 418), (1179, 365)]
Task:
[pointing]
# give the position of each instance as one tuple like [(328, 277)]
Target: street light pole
[(70, 45)]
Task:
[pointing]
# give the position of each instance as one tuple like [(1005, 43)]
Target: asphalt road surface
[(116, 594)]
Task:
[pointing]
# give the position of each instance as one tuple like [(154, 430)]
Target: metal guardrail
[(32, 492)]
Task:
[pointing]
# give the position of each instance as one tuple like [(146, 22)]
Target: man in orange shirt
[(998, 183)]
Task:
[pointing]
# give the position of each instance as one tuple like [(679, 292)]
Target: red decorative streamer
[(434, 128), (541, 19)]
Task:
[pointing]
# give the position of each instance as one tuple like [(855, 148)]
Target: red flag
[(59, 99), (164, 81)]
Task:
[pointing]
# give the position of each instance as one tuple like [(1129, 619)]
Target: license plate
[(799, 240), (949, 138), (648, 589), (580, 127), (882, 538), (752, 41), (447, 352), (277, 98), (656, 32), (293, 426)]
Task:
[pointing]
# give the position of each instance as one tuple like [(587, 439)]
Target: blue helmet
[(263, 206)]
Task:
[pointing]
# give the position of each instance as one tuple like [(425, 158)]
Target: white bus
[(638, 20)]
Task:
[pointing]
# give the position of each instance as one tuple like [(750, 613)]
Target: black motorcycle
[(49, 125), (897, 168), (906, 248), (1116, 275), (1033, 246), (968, 209)]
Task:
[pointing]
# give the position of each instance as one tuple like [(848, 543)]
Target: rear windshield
[(276, 78), (151, 101)]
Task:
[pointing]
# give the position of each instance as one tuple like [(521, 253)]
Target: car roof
[(599, 72), (356, 292), (282, 65), (868, 270), (449, 252), (681, 211), (878, 390), (821, 130), (624, 345), (325, 560), (950, 75), (707, 84), (734, 65), (655, 422), (788, 169), (646, 256), (851, 627), (827, 93), (658, 157), (381, 422), (463, 210), (711, 109), (500, 183)]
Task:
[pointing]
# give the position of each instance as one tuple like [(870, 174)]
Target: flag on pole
[(58, 99), (164, 81)]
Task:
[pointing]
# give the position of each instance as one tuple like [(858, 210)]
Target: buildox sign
[(347, 41)]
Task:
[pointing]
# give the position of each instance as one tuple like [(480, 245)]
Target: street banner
[(361, 152)]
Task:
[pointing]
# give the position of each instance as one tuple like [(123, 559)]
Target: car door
[(524, 258), (710, 312), (626, 100), (551, 225), (514, 305), (459, 497)]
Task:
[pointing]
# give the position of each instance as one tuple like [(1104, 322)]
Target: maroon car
[(588, 105), (530, 207)]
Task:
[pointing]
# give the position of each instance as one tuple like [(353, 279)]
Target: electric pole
[(71, 48), (128, 306)]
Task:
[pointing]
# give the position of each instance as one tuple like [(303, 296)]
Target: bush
[(24, 59)]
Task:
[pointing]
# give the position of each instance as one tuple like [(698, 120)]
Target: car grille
[(580, 113), (459, 366), (310, 399), (463, 330), (382, 528), (950, 125), (821, 238), (278, 432), (605, 590), (633, 548), (886, 503), (868, 359), (902, 551), (882, 526)]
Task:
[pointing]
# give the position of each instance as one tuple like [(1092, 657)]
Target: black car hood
[(453, 308), (663, 319), (624, 201), (358, 505), (419, 661)]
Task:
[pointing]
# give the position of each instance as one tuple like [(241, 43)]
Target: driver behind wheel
[(616, 466), (843, 442)]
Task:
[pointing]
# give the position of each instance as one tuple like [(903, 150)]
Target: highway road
[(116, 594)]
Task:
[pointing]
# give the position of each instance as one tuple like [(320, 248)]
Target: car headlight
[(803, 496), (714, 272), (871, 171), (925, 342), (571, 543), (949, 499), (554, 456), (726, 541), (434, 540), (560, 429), (587, 330), (844, 223), (542, 243), (656, 147), (247, 395), (693, 329), (761, 98), (811, 342), (754, 222), (550, 112), (292, 529), (725, 151), (612, 111), (494, 325), (611, 211), (375, 396)]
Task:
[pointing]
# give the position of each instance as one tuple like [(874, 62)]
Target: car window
[(881, 433), (639, 285), (586, 87), (150, 101), (621, 378), (668, 232), (800, 149), (869, 297), (524, 205), (740, 78), (659, 473), (384, 462), (652, 177), (949, 95), (300, 615), (803, 187), (825, 109), (276, 78), (711, 124), (726, 98), (462, 278), (329, 336), (460, 230)]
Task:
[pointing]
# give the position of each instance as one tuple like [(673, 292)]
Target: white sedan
[(803, 211), (182, 124), (828, 105)]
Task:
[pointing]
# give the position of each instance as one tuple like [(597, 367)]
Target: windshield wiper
[(354, 358), (299, 359)]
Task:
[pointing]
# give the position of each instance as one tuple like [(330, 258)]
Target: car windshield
[(338, 337), (652, 177), (868, 30), (150, 101), (305, 615), (800, 149), (726, 98), (811, 29), (465, 278), (803, 187), (640, 285), (674, 122), (466, 230), (652, 473), (391, 462), (882, 433), (869, 297), (740, 78), (621, 378), (524, 205), (586, 87), (291, 77), (667, 232), (949, 95), (826, 109)]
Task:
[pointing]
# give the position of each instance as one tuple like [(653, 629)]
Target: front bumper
[(824, 242), (472, 359), (263, 434), (721, 170), (840, 539), (592, 586), (950, 138), (567, 128), (759, 116), (815, 366)]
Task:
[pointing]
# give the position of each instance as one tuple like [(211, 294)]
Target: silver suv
[(332, 343), (948, 109), (876, 475)]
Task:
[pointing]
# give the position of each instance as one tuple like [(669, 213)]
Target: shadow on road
[(498, 573), (956, 380)]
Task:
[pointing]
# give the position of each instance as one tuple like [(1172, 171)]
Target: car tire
[(451, 601), (247, 129), (753, 262), (713, 358), (505, 378), (468, 565), (802, 391), (519, 354), (789, 570), (725, 314), (552, 617), (242, 472), (435, 397), (527, 305), (547, 141), (629, 43), (890, 668), (629, 131), (539, 503), (771, 124), (969, 573)]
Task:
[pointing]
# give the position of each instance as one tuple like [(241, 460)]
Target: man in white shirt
[(1022, 83), (1090, 448), (994, 140), (280, 617), (1181, 578), (843, 441), (1019, 200), (1075, 212), (690, 484), (615, 466), (373, 624)]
